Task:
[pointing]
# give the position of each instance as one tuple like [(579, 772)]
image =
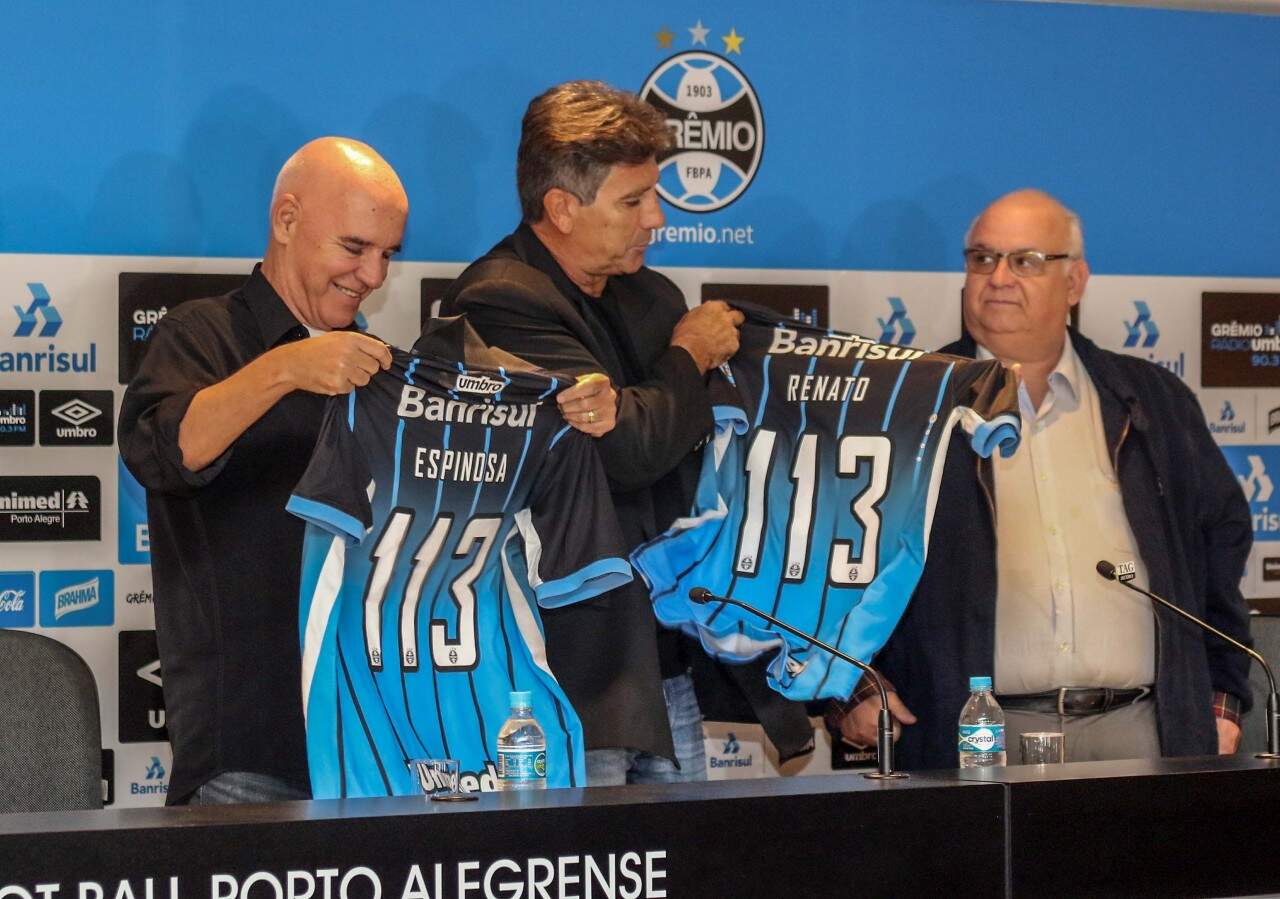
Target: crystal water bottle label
[(982, 738), (522, 764)]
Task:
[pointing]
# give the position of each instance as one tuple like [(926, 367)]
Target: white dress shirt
[(1059, 511)]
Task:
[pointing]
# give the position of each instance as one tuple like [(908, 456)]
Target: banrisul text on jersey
[(817, 493)]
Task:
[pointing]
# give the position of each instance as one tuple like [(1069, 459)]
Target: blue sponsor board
[(17, 598), (77, 598), (133, 537), (1257, 468)]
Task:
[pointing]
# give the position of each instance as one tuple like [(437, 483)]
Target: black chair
[(50, 735)]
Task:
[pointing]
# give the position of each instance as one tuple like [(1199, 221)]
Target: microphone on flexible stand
[(884, 730), (1124, 573)]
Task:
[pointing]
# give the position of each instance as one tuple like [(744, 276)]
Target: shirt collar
[(275, 322), (1064, 380)]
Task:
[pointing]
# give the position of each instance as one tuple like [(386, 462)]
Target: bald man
[(1116, 463), (218, 426)]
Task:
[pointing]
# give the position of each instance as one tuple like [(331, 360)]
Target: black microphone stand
[(884, 730), (1108, 571)]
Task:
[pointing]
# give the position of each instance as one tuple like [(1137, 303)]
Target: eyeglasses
[(1023, 263)]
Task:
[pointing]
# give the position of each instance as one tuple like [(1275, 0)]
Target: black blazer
[(605, 653)]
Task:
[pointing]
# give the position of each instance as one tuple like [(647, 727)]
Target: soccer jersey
[(445, 502), (817, 493)]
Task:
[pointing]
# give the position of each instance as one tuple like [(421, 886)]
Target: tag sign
[(1126, 571)]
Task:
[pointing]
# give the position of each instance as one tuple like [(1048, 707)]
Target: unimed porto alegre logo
[(716, 121), (50, 507)]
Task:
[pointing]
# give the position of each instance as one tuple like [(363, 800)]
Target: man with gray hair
[(1115, 463), (569, 291)]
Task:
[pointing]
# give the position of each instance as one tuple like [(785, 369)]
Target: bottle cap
[(521, 699), (975, 683)]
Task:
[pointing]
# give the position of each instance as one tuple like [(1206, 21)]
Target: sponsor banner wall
[(78, 567), (828, 160)]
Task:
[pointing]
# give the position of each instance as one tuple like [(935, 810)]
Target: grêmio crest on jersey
[(445, 502), (817, 493)]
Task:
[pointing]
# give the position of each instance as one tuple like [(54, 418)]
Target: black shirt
[(225, 555)]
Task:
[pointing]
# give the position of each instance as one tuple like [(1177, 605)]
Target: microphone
[(884, 729), (1126, 572)]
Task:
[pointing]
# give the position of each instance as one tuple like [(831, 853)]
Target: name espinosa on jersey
[(832, 388), (435, 464)]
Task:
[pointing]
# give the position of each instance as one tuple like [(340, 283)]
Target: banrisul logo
[(39, 312), (1255, 467), (1142, 333), (40, 320), (1233, 417), (898, 327), (716, 122), (77, 598)]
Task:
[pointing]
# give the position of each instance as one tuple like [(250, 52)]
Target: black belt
[(1074, 700)]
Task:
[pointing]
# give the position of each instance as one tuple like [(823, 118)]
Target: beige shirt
[(1059, 511)]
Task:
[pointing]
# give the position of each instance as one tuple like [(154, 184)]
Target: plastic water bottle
[(981, 727), (522, 747)]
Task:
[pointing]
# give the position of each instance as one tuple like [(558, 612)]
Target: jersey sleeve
[(333, 493), (672, 562), (987, 402), (574, 547)]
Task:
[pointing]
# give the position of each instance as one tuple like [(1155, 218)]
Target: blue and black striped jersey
[(445, 502), (817, 494)]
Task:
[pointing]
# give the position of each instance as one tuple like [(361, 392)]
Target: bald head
[(337, 216), (335, 164), (1030, 203)]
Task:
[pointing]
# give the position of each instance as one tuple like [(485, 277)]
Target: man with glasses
[(1116, 463)]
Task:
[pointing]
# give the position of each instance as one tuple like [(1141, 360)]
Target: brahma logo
[(77, 598), (17, 598), (715, 120)]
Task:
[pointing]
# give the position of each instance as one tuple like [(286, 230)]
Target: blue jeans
[(234, 787), (615, 767)]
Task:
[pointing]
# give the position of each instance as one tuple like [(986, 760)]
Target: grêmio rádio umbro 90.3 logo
[(715, 118)]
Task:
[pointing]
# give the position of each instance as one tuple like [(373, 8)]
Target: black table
[(1182, 827)]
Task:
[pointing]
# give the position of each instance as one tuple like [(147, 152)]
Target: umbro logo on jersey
[(478, 384)]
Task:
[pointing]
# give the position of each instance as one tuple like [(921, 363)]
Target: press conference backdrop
[(830, 159)]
